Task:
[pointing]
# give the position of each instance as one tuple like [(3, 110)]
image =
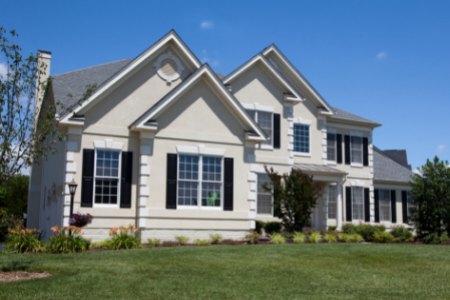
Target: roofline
[(384, 154), (90, 67), (367, 124), (171, 35)]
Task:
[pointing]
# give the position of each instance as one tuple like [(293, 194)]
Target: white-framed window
[(106, 178), (200, 181), (263, 198), (331, 146), (357, 203), (384, 204), (265, 121), (301, 138), (356, 147), (332, 201)]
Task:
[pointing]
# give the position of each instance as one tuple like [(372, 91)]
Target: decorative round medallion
[(169, 67)]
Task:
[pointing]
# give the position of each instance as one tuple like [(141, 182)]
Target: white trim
[(200, 150), (157, 65), (45, 55), (342, 126), (119, 171), (357, 183), (302, 154), (108, 145), (356, 165), (302, 121), (309, 134), (146, 149), (71, 167), (256, 106), (72, 146), (75, 130)]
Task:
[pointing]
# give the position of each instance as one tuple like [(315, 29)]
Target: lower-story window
[(357, 203), (200, 177), (385, 205), (264, 198), (332, 195), (107, 177)]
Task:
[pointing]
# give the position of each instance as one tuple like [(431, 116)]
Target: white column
[(339, 207), (146, 140)]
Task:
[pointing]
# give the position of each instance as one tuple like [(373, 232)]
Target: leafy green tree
[(430, 198), (15, 194), (294, 197)]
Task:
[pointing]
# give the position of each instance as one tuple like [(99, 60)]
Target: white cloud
[(206, 25), (441, 149), (215, 63), (3, 70), (382, 55)]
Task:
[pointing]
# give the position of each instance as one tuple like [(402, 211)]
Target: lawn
[(307, 271)]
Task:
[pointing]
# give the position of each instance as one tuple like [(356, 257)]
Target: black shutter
[(366, 205), (405, 206), (228, 184), (377, 207), (339, 148), (365, 151), (87, 183), (171, 193), (126, 184), (276, 131), (348, 203), (393, 207), (347, 149)]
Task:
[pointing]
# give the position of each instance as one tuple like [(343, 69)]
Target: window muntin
[(357, 203), (264, 198), (409, 204), (107, 177), (200, 177), (265, 121), (356, 147), (301, 138), (332, 203), (331, 146), (384, 204)]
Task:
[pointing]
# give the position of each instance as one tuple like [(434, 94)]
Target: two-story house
[(168, 145)]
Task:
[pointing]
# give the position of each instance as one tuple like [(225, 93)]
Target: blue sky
[(388, 61)]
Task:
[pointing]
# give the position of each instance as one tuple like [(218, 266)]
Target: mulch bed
[(14, 276)]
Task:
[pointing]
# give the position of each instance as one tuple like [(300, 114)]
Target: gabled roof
[(387, 169), (146, 121), (111, 81), (260, 58), (300, 77), (343, 115), (399, 156)]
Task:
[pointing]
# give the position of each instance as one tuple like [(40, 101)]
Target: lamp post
[(72, 188)]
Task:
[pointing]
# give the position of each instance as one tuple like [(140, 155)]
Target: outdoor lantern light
[(72, 188)]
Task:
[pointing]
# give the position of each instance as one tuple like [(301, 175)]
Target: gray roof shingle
[(399, 156), (387, 169), (345, 115)]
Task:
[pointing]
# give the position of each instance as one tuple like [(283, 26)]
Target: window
[(384, 202), (356, 149), (332, 195), (301, 138), (107, 177), (358, 203), (331, 146), (199, 177), (265, 121), (264, 198)]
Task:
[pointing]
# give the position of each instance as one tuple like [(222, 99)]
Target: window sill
[(331, 163), (356, 165), (105, 205), (186, 207), (265, 216), (266, 147), (302, 154)]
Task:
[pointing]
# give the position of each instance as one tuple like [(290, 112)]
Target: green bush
[(124, 238), (183, 240), (402, 234), (23, 240), (287, 235), (367, 231), (277, 238), (356, 238), (154, 242), (344, 237), (331, 237), (299, 237), (315, 238), (8, 221), (332, 228), (199, 242), (435, 239), (272, 227), (67, 240), (215, 238), (383, 237), (349, 228), (105, 245), (259, 225), (252, 237)]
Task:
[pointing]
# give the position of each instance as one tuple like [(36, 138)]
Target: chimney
[(44, 59)]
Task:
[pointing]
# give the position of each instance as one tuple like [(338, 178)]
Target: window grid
[(265, 121), (384, 204), (264, 198), (356, 149), (357, 203), (106, 183), (332, 203), (301, 138), (331, 146)]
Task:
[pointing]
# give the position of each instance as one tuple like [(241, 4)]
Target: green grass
[(289, 271)]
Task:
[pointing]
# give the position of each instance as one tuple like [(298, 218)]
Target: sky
[(387, 61)]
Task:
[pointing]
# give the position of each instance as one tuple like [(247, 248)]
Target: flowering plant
[(252, 237), (79, 220), (67, 239), (23, 240), (124, 238)]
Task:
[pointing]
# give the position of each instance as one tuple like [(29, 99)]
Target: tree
[(14, 195), (28, 132), (430, 198), (294, 197)]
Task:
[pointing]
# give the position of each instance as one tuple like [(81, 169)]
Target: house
[(168, 145)]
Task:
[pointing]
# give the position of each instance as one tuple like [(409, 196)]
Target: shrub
[(315, 237), (308, 231), (356, 238), (272, 227), (383, 237), (230, 242), (331, 237), (367, 231), (8, 221), (435, 239), (79, 220), (170, 244), (23, 240), (299, 237), (124, 238), (344, 237), (277, 238), (349, 228), (183, 240), (215, 238), (402, 234), (154, 242), (67, 240), (287, 235), (105, 244), (199, 242), (332, 228), (252, 238), (259, 225)]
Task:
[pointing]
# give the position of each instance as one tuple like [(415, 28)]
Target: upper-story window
[(265, 121), (107, 183), (356, 146), (331, 146), (301, 138)]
